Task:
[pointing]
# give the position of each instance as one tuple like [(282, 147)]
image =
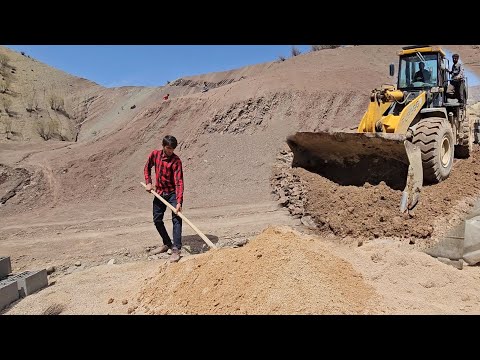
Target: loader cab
[(415, 63)]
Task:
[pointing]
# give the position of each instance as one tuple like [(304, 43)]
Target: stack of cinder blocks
[(12, 286)]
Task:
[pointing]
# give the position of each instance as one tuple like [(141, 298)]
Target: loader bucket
[(357, 158)]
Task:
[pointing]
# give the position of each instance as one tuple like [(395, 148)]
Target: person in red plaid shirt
[(169, 185)]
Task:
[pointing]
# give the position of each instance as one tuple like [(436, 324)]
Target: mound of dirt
[(373, 211), (278, 272)]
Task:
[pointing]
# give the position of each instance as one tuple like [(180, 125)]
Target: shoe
[(161, 249), (175, 255)]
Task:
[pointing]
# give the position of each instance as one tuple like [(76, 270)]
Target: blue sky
[(154, 65), (150, 65)]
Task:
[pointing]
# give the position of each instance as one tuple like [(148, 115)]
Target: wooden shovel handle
[(207, 240)]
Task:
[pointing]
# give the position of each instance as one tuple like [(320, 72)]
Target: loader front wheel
[(434, 136)]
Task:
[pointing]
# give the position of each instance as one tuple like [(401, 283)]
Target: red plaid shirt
[(168, 173)]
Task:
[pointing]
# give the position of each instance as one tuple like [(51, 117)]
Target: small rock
[(78, 263), (407, 215), (308, 222), (397, 220), (376, 234), (70, 270), (412, 241), (296, 210), (124, 302), (360, 242), (130, 310), (50, 269), (296, 192), (111, 262), (110, 301), (351, 209), (241, 242)]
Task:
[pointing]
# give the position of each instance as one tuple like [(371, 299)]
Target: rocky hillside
[(38, 101), (229, 136)]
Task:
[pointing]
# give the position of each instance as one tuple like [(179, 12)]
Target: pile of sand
[(278, 272)]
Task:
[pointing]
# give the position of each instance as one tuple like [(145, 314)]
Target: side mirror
[(392, 69)]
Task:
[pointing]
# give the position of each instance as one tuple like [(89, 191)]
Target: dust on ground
[(104, 289)]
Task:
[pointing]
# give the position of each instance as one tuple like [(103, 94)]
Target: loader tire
[(434, 137), (465, 143)]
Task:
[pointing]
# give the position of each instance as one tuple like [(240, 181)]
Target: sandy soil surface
[(281, 271)]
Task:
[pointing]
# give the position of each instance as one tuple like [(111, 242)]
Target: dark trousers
[(457, 89), (158, 212)]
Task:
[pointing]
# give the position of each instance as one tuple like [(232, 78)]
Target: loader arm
[(376, 119)]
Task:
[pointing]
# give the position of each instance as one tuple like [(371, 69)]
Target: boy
[(169, 185)]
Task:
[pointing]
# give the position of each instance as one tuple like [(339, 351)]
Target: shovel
[(204, 238)]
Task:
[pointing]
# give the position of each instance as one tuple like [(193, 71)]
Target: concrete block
[(475, 211), (5, 266), (8, 293), (450, 247), (471, 252), (455, 263), (30, 281)]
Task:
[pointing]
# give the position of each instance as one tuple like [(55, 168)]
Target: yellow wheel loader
[(407, 137)]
